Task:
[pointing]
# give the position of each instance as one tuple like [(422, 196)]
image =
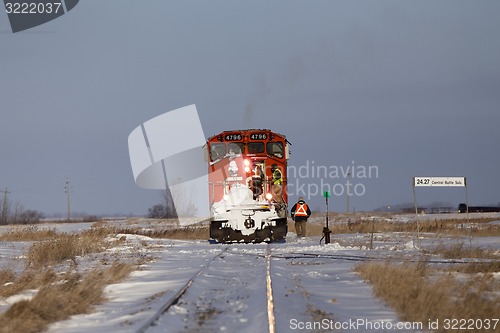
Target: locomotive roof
[(246, 131)]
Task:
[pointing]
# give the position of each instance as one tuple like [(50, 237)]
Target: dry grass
[(361, 224), (29, 233), (12, 284), (6, 275), (476, 267), (67, 247), (59, 295), (358, 224), (188, 232), (418, 293), (198, 233), (58, 301), (49, 248), (456, 251), (312, 229)]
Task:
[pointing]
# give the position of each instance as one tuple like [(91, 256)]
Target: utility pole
[(4, 207), (347, 192), (67, 189)]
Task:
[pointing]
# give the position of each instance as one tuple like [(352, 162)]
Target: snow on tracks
[(197, 287), (229, 295)]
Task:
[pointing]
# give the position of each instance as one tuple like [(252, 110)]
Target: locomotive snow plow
[(247, 186)]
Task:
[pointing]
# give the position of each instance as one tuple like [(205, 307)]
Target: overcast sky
[(411, 87)]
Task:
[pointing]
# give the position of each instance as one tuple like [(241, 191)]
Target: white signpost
[(440, 182)]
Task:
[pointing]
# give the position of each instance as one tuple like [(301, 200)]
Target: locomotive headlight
[(226, 197), (269, 196), (246, 164)]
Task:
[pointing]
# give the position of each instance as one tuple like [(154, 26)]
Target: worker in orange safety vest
[(300, 213)]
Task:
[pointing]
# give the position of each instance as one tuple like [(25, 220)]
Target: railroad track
[(239, 282), (359, 258), (206, 286), (349, 257), (269, 292), (175, 299)]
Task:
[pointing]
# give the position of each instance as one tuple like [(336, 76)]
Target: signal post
[(326, 229)]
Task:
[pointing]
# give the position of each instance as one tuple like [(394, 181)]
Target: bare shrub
[(159, 211), (91, 218), (28, 217), (18, 215)]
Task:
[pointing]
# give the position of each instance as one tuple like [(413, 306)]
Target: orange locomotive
[(247, 185)]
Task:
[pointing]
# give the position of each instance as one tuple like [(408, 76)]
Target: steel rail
[(347, 257), (269, 288), (175, 299)]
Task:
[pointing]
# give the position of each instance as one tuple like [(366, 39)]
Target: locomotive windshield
[(275, 149), (236, 147), (255, 147), (217, 150)]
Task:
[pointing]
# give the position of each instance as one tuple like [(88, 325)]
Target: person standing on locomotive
[(257, 179), (277, 184), (300, 213)]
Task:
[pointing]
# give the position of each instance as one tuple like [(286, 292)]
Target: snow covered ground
[(230, 294), (314, 288)]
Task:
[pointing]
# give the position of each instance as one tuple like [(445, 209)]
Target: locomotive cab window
[(217, 150), (275, 149), (255, 147), (236, 148)]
